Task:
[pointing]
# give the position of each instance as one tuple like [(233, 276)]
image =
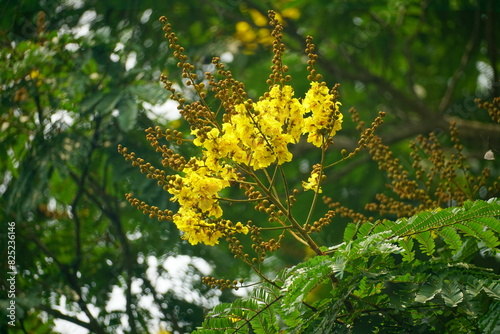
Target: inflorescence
[(244, 143)]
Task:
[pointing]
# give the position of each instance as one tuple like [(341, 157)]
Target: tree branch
[(81, 188), (113, 216), (72, 280), (168, 316), (60, 315)]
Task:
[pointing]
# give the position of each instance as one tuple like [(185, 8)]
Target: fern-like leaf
[(350, 232), (452, 238), (255, 312), (468, 249), (305, 277), (476, 228), (406, 245), (428, 291), (451, 293), (426, 241), (493, 290), (490, 322), (471, 210)]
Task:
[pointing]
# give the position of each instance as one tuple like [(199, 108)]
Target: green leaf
[(304, 277), (108, 102), (350, 231), (149, 92), (90, 101), (476, 228), (490, 322), (493, 290), (451, 237), (364, 230), (428, 291), (426, 241), (256, 312), (468, 249), (407, 245), (428, 220), (451, 293), (128, 110)]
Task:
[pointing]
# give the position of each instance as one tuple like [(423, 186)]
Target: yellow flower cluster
[(255, 136), (197, 188), (196, 193), (239, 145), (326, 119), (258, 135), (256, 33)]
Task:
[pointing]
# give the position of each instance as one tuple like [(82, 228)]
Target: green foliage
[(55, 174), (380, 281), (257, 312), (64, 107)]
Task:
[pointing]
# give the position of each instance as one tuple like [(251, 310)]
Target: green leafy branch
[(383, 280)]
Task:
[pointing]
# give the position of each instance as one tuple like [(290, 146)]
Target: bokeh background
[(80, 77)]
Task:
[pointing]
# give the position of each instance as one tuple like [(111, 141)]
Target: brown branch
[(81, 188), (72, 280), (476, 129), (361, 73), (113, 216), (357, 71), (400, 99), (60, 315), (129, 267), (167, 316)]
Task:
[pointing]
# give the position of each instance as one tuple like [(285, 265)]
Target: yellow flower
[(198, 189), (325, 119), (264, 36), (264, 135), (241, 228), (256, 137), (164, 331), (197, 194), (244, 32), (292, 13), (34, 74), (257, 17), (312, 183), (195, 228)]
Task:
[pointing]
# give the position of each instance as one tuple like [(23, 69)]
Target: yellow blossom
[(34, 74), (312, 183), (257, 137), (257, 17), (275, 123), (244, 32), (195, 228), (264, 36), (198, 189), (292, 13), (197, 194), (325, 119)]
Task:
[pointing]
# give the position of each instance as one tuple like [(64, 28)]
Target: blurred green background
[(79, 77)]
